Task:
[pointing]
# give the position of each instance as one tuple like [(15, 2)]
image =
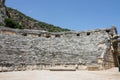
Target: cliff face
[(36, 47), (3, 14)]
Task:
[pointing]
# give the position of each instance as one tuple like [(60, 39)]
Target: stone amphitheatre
[(38, 50), (33, 53)]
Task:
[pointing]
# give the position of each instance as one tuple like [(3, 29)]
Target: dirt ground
[(111, 74)]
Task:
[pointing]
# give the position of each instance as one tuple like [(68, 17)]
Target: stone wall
[(34, 47)]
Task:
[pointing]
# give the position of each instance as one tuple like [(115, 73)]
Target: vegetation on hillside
[(23, 21), (13, 24)]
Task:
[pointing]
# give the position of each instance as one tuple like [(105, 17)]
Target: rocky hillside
[(15, 19), (30, 23)]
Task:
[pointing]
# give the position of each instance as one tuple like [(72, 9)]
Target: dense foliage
[(13, 24)]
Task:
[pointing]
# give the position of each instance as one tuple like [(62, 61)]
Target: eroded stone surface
[(70, 48)]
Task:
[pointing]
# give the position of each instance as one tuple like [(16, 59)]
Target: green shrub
[(13, 24), (1, 24)]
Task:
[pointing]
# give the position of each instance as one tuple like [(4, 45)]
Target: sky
[(76, 15)]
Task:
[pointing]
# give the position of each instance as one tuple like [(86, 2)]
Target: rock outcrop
[(3, 14)]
